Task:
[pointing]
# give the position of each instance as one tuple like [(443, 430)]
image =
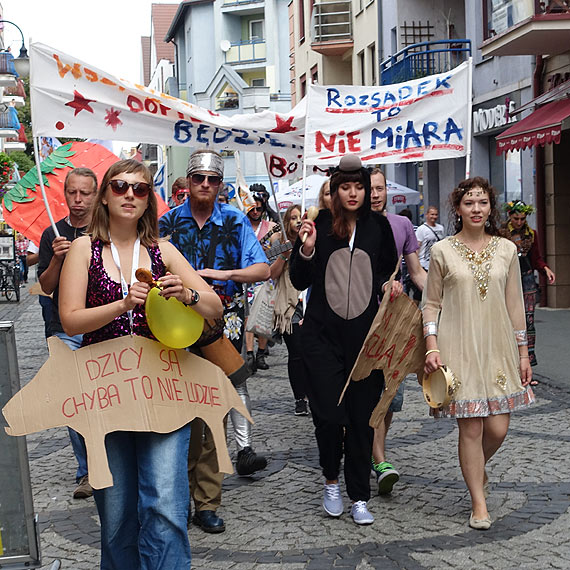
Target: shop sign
[(495, 114)]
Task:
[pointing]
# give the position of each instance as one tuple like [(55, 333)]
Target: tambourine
[(439, 387)]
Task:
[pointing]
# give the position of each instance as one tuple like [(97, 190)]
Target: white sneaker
[(360, 514), (332, 501)]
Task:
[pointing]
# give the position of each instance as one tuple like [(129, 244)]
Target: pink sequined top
[(102, 290)]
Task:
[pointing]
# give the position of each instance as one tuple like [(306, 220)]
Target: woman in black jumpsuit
[(347, 258)]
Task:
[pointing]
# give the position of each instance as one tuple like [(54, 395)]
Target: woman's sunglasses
[(213, 180), (120, 187)]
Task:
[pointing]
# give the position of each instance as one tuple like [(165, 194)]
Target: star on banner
[(79, 103), (112, 118), (283, 126)]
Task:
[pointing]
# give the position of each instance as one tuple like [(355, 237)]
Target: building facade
[(231, 56)]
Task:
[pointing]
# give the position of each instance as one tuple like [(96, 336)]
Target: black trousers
[(352, 437), (295, 366)]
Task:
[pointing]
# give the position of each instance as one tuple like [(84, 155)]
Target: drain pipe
[(539, 164)]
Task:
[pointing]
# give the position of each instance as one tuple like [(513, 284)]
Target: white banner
[(423, 119), (70, 98)]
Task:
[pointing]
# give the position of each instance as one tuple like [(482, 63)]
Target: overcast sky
[(103, 33)]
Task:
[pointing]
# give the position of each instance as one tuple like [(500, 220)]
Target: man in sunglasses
[(180, 191), (217, 240), (79, 189)]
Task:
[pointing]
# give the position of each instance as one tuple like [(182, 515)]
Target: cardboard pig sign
[(126, 384), (395, 344)]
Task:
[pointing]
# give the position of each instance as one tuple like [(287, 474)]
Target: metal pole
[(469, 119)]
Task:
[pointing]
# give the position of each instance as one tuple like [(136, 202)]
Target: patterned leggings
[(530, 293)]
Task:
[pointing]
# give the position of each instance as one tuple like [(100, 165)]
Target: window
[(301, 21), (256, 30), (362, 68), (227, 98), (314, 74), (416, 33), (500, 15), (260, 82), (303, 83), (373, 62)]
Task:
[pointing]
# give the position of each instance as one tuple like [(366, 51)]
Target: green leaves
[(25, 189)]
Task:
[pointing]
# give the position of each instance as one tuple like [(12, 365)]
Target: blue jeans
[(77, 441), (144, 514)]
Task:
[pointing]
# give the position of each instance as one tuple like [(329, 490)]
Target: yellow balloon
[(171, 322)]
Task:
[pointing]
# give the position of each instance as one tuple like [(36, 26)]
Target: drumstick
[(312, 213), (145, 276)]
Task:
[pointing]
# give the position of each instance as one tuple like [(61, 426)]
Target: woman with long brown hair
[(144, 514), (347, 258), (474, 322)]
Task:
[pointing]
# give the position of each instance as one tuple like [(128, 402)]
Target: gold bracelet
[(432, 350)]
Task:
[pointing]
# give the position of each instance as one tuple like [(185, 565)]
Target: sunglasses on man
[(213, 180), (121, 187), (181, 195)]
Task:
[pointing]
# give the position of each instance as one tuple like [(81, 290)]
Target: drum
[(217, 348), (439, 387)]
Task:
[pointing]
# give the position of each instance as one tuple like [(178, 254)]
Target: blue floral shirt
[(237, 248)]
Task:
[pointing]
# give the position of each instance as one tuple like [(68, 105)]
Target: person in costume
[(473, 314), (516, 229), (144, 514), (288, 312), (347, 259)]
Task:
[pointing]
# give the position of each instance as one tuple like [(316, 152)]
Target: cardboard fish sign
[(395, 344), (126, 384)]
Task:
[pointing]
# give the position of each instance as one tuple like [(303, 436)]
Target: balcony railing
[(426, 58), (9, 119), (233, 3), (17, 90), (331, 21), (249, 51), (7, 64)]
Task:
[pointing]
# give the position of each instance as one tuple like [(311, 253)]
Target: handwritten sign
[(71, 98), (394, 344), (126, 384), (423, 119)]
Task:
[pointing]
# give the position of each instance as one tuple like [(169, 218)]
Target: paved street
[(276, 521)]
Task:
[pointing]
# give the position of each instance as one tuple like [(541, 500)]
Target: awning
[(541, 127)]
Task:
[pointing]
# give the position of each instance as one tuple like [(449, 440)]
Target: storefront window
[(513, 176)]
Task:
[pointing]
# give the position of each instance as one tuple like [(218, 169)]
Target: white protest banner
[(71, 98), (423, 119)]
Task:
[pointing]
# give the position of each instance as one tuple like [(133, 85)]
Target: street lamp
[(22, 62)]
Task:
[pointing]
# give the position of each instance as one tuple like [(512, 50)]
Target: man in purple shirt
[(406, 245)]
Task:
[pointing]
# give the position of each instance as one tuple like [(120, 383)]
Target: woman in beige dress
[(474, 322)]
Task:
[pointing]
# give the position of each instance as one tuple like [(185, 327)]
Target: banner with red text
[(423, 119), (71, 98)]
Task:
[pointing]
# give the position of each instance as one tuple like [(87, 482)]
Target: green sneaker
[(386, 476)]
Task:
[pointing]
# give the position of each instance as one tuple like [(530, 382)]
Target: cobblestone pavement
[(275, 520)]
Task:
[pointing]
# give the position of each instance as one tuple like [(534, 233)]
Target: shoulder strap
[(432, 231)]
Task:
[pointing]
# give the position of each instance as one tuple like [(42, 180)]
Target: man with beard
[(79, 189), (217, 240), (406, 245)]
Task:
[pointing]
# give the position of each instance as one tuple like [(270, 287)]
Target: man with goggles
[(180, 192), (218, 241)]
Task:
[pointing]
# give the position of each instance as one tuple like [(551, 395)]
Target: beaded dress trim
[(478, 262)]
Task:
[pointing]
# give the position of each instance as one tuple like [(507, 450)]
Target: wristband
[(430, 329), (306, 257), (281, 256), (432, 350), (521, 337)]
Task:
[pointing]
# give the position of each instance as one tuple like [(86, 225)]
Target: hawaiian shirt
[(237, 248)]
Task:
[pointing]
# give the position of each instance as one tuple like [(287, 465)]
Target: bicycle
[(10, 280)]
